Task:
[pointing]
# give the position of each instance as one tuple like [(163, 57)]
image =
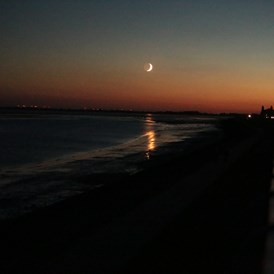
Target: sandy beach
[(201, 211)]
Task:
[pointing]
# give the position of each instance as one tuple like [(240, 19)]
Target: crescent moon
[(148, 67)]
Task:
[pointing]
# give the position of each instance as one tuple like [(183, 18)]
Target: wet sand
[(203, 211)]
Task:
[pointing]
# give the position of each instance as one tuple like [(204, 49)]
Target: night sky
[(214, 56)]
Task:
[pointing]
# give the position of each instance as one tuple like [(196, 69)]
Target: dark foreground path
[(224, 231), (205, 212)]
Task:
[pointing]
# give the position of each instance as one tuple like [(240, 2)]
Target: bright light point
[(249, 116), (148, 67)]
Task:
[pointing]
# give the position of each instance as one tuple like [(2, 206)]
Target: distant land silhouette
[(33, 109), (267, 113)]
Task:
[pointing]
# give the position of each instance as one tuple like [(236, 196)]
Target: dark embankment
[(201, 212)]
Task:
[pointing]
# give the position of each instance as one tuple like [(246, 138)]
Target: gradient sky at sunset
[(213, 55)]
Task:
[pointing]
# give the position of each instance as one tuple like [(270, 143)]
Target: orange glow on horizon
[(138, 90)]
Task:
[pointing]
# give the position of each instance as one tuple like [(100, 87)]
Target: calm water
[(33, 139), (42, 154)]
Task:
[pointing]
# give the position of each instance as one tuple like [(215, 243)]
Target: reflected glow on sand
[(151, 140), (151, 136)]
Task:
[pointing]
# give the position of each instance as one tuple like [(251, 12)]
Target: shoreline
[(56, 180), (59, 238)]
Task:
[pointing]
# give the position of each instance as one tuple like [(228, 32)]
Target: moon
[(148, 67)]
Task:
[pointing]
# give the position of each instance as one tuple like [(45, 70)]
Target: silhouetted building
[(267, 113)]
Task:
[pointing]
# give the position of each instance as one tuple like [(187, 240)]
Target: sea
[(44, 153)]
